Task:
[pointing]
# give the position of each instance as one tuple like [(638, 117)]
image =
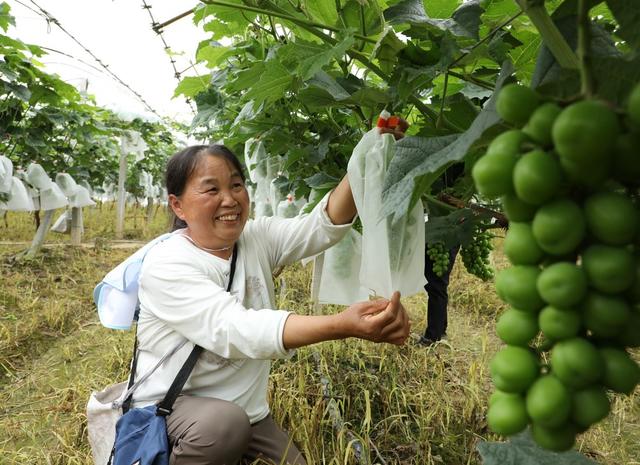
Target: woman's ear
[(176, 206)]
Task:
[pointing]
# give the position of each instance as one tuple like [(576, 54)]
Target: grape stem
[(448, 199), (551, 36), (584, 55)]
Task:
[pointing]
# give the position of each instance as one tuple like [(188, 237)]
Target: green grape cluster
[(568, 181), (439, 257), (475, 255)]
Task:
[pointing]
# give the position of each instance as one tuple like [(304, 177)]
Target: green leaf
[(410, 154), (458, 227), (5, 18), (246, 78), (213, 54), (323, 11), (399, 190), (324, 81), (191, 86), (521, 450), (413, 12), (272, 85), (387, 49), (20, 91), (364, 17), (627, 12), (322, 181), (311, 65), (468, 17)]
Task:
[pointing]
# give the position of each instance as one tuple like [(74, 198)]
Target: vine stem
[(282, 15), (551, 36), (584, 38)]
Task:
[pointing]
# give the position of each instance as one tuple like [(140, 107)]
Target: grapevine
[(475, 255), (439, 256), (563, 177)]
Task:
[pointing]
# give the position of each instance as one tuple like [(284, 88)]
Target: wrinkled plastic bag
[(287, 208), (38, 178), (63, 223), (340, 281), (66, 184), (81, 198), (19, 198), (6, 174), (263, 208), (392, 254), (52, 198)]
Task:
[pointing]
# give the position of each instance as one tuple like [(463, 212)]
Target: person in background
[(222, 416), (437, 286)]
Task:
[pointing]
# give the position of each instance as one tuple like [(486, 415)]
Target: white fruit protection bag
[(340, 278), (392, 254)]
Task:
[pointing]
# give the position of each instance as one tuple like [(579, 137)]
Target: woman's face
[(214, 204)]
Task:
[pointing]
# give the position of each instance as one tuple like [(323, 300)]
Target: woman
[(223, 416)]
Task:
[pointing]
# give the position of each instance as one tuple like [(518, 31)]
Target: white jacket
[(183, 295)]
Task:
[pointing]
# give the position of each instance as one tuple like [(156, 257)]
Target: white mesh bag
[(392, 255), (52, 198), (6, 174), (37, 177), (287, 208), (82, 198), (340, 281), (62, 224), (66, 184), (19, 198)]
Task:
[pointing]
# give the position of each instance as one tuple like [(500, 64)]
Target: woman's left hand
[(397, 126)]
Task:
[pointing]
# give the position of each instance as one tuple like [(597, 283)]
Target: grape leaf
[(456, 228), (272, 84), (627, 13), (398, 191), (191, 86), (465, 21), (521, 450)]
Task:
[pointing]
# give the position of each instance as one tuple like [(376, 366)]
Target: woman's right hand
[(383, 320)]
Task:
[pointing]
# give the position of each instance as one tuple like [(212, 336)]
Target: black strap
[(165, 406)]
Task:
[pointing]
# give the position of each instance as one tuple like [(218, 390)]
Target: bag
[(122, 436), (103, 411), (141, 438), (116, 296), (106, 407), (392, 251)]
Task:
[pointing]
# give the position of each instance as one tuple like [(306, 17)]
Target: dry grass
[(406, 405)]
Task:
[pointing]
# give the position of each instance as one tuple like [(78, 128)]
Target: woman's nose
[(228, 199)]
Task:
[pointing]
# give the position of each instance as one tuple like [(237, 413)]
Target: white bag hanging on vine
[(63, 223), (38, 178), (392, 254), (19, 198), (287, 208), (340, 281), (6, 174)]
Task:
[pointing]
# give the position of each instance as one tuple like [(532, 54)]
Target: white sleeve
[(291, 239), (190, 303)]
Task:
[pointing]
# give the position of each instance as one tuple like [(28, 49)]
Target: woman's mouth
[(233, 217)]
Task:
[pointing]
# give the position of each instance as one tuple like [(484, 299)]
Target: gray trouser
[(206, 431)]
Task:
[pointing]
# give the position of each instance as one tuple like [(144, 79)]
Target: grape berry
[(568, 180)]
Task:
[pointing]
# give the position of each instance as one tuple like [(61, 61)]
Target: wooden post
[(121, 200)]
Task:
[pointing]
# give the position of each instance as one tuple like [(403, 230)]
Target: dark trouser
[(436, 288), (206, 431)]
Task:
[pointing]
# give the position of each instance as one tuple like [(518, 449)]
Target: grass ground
[(407, 405)]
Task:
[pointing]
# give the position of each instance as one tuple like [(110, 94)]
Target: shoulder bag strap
[(165, 406)]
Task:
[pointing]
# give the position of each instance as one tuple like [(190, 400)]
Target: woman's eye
[(213, 189)]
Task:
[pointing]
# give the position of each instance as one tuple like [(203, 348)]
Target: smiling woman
[(213, 205), (190, 289)]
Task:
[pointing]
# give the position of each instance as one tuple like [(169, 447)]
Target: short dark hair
[(181, 166)]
